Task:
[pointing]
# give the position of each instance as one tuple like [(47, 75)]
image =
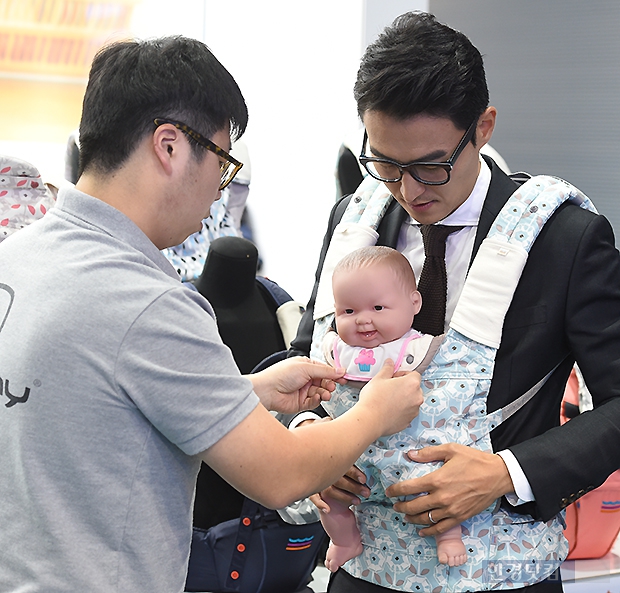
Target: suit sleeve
[(565, 462)]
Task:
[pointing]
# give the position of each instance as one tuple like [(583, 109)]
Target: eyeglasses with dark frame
[(428, 173), (229, 167)]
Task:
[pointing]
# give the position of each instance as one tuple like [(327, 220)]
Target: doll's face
[(372, 305)]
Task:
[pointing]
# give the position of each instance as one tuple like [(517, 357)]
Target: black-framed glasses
[(428, 173), (229, 166)]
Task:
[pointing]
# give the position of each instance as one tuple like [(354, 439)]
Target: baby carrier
[(505, 549)]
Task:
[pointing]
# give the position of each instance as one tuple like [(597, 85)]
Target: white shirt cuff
[(523, 490), (295, 422)]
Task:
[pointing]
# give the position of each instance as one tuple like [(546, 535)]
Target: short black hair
[(133, 82), (418, 65)]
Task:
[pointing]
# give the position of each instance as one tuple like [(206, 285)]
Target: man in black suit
[(422, 96)]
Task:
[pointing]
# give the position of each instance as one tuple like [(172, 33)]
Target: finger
[(387, 370), (432, 517), (318, 394), (440, 527), (327, 384), (435, 453), (310, 401), (356, 474), (430, 520), (319, 503), (353, 486), (324, 395), (440, 523), (417, 509), (414, 487), (320, 370), (342, 496)]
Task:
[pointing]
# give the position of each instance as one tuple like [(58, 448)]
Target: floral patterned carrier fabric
[(189, 257), (24, 197), (505, 550)]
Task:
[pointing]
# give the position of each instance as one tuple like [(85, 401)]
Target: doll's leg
[(342, 529), (450, 547)]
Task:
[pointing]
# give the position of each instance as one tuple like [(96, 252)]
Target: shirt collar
[(107, 219), (468, 213)]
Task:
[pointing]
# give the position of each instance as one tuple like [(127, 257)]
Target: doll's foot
[(337, 555), (452, 552)]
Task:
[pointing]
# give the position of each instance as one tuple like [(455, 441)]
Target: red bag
[(593, 522)]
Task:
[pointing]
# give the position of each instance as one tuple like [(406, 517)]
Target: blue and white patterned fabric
[(189, 257), (505, 550)]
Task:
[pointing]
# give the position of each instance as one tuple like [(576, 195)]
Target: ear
[(486, 125), (166, 146), (416, 299)]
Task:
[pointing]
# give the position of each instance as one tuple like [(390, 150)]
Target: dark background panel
[(553, 68)]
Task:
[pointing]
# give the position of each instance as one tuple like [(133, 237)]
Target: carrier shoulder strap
[(503, 254)]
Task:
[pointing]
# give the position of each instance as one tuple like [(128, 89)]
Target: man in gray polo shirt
[(114, 383)]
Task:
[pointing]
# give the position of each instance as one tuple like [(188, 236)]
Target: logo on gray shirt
[(7, 295)]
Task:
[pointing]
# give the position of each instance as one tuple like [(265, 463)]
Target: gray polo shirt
[(113, 378)]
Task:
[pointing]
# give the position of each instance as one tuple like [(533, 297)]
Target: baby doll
[(376, 299)]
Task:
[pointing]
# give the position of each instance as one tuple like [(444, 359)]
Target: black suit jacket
[(566, 308)]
